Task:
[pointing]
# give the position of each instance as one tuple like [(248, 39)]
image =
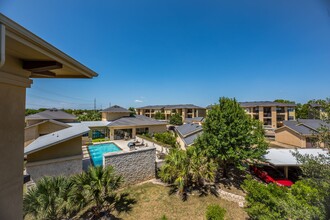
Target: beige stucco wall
[(109, 116), (12, 114), (49, 127), (157, 128), (30, 133), (68, 148), (181, 142), (287, 136), (33, 122)]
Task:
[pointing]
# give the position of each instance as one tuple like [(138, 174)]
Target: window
[(142, 130), (291, 118)]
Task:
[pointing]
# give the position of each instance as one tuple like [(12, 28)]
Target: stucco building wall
[(68, 148), (135, 166), (287, 136)]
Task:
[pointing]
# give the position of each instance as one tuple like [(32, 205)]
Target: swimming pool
[(96, 152)]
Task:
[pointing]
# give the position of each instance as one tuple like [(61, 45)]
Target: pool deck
[(123, 145)]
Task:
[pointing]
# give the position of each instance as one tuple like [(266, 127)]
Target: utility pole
[(95, 104)]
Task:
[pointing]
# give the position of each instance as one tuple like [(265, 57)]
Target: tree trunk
[(224, 170)]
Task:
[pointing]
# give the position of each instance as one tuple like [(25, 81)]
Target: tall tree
[(176, 119), (186, 169), (159, 116), (132, 110), (230, 136)]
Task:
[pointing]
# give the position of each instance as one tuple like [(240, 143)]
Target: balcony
[(267, 114)]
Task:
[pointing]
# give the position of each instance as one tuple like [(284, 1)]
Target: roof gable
[(116, 108), (53, 113)]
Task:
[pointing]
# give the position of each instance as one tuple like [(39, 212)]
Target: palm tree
[(96, 189), (186, 169), (50, 199)]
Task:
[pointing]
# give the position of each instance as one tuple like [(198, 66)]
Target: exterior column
[(261, 114), (286, 117), (274, 117), (286, 172), (12, 117), (133, 132)]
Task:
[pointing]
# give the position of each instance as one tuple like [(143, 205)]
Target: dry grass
[(154, 201)]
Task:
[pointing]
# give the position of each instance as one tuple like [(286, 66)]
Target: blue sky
[(169, 52)]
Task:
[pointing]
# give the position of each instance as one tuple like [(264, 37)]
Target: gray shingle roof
[(189, 140), (57, 137), (54, 114), (92, 124), (170, 106), (187, 129), (266, 103), (116, 108), (195, 119), (136, 120), (305, 126), (50, 121)]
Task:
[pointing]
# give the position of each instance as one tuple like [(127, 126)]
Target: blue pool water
[(97, 151)]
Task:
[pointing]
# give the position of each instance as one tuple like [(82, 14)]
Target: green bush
[(163, 217), (176, 119), (215, 212), (166, 138)]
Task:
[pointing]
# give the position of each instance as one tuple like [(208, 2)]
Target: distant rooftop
[(53, 113), (195, 119), (135, 121), (266, 103), (305, 126), (116, 109), (91, 124), (170, 106)]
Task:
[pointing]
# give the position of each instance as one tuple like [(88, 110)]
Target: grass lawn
[(153, 201)]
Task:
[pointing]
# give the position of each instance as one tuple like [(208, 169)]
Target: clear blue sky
[(169, 52)]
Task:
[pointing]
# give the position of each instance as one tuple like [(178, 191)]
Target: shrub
[(166, 138), (163, 217), (215, 212)]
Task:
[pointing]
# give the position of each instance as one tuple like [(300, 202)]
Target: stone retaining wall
[(135, 166), (64, 166)]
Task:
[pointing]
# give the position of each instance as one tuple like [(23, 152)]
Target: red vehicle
[(270, 174)]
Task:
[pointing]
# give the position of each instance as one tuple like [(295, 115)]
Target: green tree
[(132, 110), (230, 136), (215, 212), (159, 116), (89, 116), (176, 119), (96, 189), (284, 101), (276, 202), (51, 198), (186, 169), (166, 138)]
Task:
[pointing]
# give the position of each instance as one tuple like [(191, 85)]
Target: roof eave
[(16, 31)]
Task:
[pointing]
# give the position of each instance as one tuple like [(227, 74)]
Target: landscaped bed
[(154, 201)]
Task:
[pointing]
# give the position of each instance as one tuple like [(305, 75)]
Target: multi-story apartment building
[(271, 114), (185, 110)]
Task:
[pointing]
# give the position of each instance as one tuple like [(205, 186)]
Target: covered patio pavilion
[(285, 158)]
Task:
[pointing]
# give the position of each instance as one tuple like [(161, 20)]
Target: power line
[(58, 94), (55, 100)]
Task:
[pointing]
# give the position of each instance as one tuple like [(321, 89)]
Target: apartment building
[(271, 114), (185, 110)]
